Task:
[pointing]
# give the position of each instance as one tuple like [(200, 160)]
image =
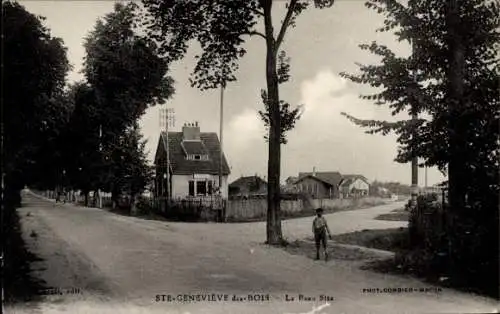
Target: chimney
[(314, 171), (191, 132)]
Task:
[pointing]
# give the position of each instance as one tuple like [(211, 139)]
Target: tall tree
[(126, 75), (220, 26), (84, 162), (452, 76), (132, 165), (33, 109)]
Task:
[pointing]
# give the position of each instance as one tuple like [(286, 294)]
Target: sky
[(323, 44)]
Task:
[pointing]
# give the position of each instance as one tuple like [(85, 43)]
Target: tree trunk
[(274, 234), (457, 176), (86, 201), (114, 198)]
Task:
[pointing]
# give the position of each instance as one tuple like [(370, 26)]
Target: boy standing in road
[(320, 230)]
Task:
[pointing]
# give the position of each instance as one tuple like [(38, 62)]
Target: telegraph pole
[(167, 117), (425, 174), (220, 134), (414, 117), (99, 198)]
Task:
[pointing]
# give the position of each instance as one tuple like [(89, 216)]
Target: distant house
[(289, 186), (194, 163), (319, 184), (246, 186), (354, 185), (291, 180)]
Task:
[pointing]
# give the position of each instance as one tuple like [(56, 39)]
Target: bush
[(472, 262), (143, 207)]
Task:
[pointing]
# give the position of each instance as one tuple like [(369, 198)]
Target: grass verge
[(395, 215), (394, 239)]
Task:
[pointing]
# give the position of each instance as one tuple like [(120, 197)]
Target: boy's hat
[(319, 210)]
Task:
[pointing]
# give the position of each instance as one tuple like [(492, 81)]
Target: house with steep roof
[(354, 185), (247, 186), (319, 184), (194, 164)]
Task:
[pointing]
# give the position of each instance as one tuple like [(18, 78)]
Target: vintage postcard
[(253, 156)]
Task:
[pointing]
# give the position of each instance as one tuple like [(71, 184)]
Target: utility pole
[(414, 117), (99, 198), (167, 117), (425, 174), (220, 134)]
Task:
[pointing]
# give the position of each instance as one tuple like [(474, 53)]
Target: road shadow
[(20, 285)]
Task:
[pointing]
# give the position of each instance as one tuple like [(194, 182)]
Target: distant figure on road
[(320, 230)]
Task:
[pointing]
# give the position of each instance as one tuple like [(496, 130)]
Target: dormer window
[(195, 150), (197, 157)]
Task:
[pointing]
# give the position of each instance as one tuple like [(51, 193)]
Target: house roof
[(347, 179), (330, 178), (194, 148), (209, 144), (245, 181), (291, 179)]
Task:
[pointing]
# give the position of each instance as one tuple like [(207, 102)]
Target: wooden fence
[(214, 208), (257, 207), (210, 208)]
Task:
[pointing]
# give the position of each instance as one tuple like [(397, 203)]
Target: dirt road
[(124, 265)]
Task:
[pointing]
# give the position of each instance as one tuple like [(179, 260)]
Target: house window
[(201, 187), (197, 157), (191, 188)]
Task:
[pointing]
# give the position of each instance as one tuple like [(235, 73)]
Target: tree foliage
[(452, 76), (125, 75), (124, 68), (418, 83), (288, 115), (34, 108), (220, 28), (83, 159)]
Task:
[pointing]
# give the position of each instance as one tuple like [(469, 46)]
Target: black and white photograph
[(250, 156)]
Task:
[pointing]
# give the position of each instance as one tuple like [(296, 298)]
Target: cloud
[(325, 139), (322, 138), (244, 144)]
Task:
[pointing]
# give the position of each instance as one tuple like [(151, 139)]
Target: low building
[(319, 184), (248, 186), (194, 164), (354, 185)]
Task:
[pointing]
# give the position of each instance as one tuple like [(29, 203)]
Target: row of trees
[(83, 135), (34, 101)]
